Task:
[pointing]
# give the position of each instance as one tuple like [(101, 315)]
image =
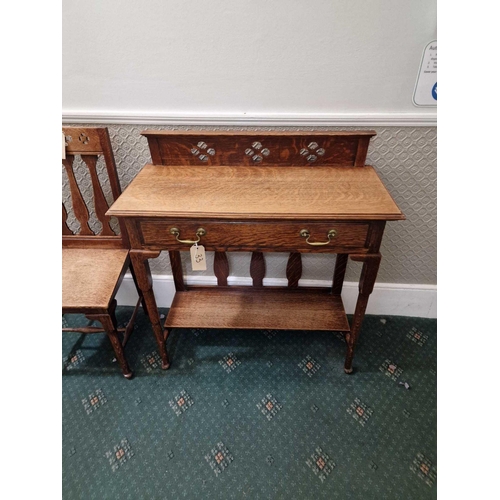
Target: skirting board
[(387, 299)]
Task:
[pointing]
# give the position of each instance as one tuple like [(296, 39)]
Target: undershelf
[(257, 308)]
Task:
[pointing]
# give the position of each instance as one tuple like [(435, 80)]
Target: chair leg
[(139, 291), (108, 322)]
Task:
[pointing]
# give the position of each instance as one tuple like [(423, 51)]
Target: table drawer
[(285, 236)]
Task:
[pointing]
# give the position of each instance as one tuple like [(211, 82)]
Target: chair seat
[(90, 277)]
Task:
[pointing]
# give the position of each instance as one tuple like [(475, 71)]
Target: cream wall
[(244, 56)]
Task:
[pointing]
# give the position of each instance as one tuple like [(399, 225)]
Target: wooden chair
[(94, 263)]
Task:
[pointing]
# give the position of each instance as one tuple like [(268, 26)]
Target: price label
[(198, 260)]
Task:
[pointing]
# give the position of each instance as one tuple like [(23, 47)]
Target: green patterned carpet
[(252, 414)]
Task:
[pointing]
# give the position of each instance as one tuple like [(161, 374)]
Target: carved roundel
[(84, 138), (257, 152), (202, 151), (312, 152)]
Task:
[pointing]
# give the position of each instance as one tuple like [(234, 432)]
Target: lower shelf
[(251, 308)]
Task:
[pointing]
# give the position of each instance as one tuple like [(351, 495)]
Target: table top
[(253, 192)]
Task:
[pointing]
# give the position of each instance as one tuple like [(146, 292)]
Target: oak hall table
[(297, 192)]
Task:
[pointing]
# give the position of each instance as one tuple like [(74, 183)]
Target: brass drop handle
[(199, 232), (306, 234)]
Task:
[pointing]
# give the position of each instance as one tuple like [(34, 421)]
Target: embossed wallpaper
[(405, 158)]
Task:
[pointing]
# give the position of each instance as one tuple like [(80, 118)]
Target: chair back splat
[(90, 145)]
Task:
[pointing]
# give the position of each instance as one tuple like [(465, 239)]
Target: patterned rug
[(251, 414)]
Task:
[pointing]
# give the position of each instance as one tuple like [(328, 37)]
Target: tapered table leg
[(371, 263), (140, 264)]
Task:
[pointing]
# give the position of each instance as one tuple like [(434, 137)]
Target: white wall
[(244, 56)]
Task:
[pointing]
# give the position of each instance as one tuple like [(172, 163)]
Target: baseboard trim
[(428, 119), (387, 299)]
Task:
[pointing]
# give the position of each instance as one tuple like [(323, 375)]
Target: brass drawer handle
[(306, 234), (199, 232)]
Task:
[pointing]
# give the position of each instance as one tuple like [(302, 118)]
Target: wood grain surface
[(254, 148), (277, 236), (252, 308), (90, 277), (257, 192)]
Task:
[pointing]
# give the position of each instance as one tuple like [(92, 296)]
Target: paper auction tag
[(198, 261), (64, 147)]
